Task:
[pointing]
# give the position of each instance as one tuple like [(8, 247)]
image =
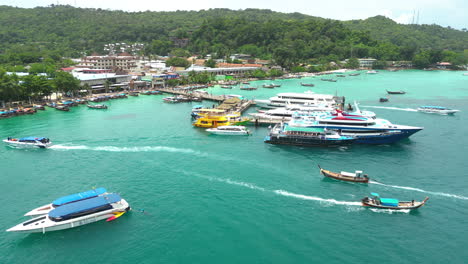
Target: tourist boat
[(465, 74), (307, 98), (396, 92), (308, 84), (39, 107), (268, 86), (328, 80), (245, 82), (365, 130), (372, 72), (276, 85), (391, 203), (229, 130), (437, 110), (97, 106), (28, 142), (226, 86), (146, 93), (62, 107), (75, 214), (156, 92), (72, 198), (211, 120), (357, 176), (284, 134), (383, 99), (248, 88), (354, 74), (285, 114), (134, 93)]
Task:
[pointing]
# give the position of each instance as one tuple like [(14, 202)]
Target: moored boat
[(28, 142), (97, 106), (396, 92), (75, 214), (437, 110), (45, 209), (371, 72), (229, 130), (308, 84), (390, 203), (383, 99), (345, 176)]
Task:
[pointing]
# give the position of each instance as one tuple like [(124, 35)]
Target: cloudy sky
[(452, 13)]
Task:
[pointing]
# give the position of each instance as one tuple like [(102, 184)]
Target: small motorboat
[(396, 92), (308, 84), (437, 110), (390, 203), (28, 142), (75, 214), (62, 108), (383, 99), (229, 130), (134, 93), (354, 74), (97, 106), (372, 72), (268, 86), (345, 176), (72, 198), (226, 86)]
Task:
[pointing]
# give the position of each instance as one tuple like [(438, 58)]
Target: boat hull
[(307, 141), (17, 144), (340, 177), (407, 205)]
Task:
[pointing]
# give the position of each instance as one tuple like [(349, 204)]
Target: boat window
[(34, 220)]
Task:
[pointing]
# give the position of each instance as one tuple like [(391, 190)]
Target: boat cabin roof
[(434, 107), (78, 196), (31, 138), (84, 205), (304, 129)]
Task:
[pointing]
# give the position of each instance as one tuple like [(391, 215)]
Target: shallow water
[(212, 199)]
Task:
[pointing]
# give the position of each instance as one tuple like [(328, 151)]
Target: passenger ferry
[(307, 98), (28, 142), (365, 130), (229, 130), (306, 136), (75, 214), (437, 110)]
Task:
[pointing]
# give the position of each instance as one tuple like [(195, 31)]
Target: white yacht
[(371, 72), (45, 209), (284, 114), (437, 110), (229, 130), (307, 98), (28, 142), (71, 215)]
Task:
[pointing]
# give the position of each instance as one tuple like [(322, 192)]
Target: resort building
[(122, 61), (366, 63), (97, 82)]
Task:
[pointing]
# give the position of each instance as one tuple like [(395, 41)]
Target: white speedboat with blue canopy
[(28, 142), (72, 198), (433, 109), (75, 214)]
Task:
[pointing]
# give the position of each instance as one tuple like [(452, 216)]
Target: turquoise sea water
[(218, 199)]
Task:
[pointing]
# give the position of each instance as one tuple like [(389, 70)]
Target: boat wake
[(392, 108), (128, 149), (314, 198), (388, 211), (423, 191)]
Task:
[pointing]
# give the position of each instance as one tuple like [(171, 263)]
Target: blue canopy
[(84, 207), (31, 138), (375, 194), (78, 196)]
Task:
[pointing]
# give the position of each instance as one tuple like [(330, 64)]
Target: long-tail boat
[(345, 176)]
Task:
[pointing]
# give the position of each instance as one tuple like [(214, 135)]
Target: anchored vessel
[(72, 198), (28, 142), (97, 106), (391, 203), (396, 92), (345, 176), (308, 98), (306, 136), (229, 130), (75, 214)]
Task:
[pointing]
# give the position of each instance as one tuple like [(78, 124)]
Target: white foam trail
[(389, 211), (313, 198), (63, 147), (229, 181), (392, 108), (128, 149), (423, 191)]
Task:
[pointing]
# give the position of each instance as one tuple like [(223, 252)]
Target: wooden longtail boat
[(345, 176), (390, 203), (396, 92)]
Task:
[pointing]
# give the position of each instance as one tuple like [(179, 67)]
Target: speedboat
[(391, 203), (372, 72), (307, 98), (437, 110), (75, 214), (284, 134), (72, 198), (229, 130), (28, 142)]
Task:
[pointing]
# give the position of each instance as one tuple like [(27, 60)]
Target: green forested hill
[(30, 35), (420, 36)]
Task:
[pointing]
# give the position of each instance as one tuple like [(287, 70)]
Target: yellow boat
[(209, 121)]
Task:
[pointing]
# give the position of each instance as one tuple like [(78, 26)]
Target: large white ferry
[(307, 98)]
